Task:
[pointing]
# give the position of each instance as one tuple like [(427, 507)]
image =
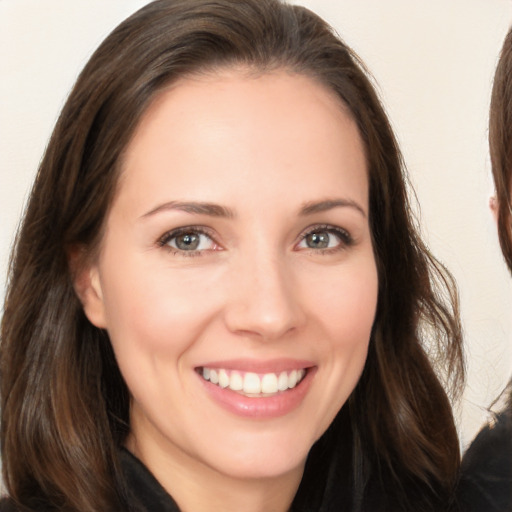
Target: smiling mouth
[(251, 384)]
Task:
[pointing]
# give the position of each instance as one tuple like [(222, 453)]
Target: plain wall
[(433, 62)]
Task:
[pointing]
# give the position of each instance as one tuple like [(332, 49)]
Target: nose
[(264, 299)]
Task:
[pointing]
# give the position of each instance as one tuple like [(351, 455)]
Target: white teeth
[(251, 383), (236, 382), (269, 383), (282, 383), (223, 379), (292, 379)]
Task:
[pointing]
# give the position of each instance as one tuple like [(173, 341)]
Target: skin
[(264, 149)]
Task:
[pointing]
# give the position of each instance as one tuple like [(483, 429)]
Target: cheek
[(345, 313), (348, 305), (156, 310)]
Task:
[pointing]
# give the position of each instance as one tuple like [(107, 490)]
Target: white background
[(434, 63)]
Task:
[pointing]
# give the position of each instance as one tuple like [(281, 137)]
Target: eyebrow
[(328, 204), (216, 210), (198, 208)]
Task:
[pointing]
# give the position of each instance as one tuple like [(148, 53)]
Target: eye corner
[(319, 239), (189, 241)]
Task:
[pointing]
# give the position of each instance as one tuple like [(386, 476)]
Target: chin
[(260, 459)]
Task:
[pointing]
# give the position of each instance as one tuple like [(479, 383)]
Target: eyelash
[(344, 236), (188, 230)]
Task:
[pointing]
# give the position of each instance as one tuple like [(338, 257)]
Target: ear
[(494, 206), (87, 284)]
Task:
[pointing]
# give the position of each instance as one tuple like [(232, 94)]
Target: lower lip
[(260, 407)]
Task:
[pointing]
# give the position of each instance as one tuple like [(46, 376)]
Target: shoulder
[(492, 447), (486, 471)]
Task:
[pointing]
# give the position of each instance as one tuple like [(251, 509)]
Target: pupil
[(318, 240), (188, 242)]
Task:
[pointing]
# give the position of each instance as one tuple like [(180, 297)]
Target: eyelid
[(163, 241), (346, 239)]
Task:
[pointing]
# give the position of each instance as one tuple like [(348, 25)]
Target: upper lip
[(259, 366)]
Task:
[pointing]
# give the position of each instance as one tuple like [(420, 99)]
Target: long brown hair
[(64, 403), (500, 144)]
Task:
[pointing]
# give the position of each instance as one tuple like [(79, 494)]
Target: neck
[(197, 487)]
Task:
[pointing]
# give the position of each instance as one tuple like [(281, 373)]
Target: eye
[(188, 240), (325, 238)]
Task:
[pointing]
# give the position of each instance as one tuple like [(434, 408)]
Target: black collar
[(323, 488), (144, 488)]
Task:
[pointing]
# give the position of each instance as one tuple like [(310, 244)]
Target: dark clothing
[(486, 473), (147, 495), (146, 491), (327, 485)]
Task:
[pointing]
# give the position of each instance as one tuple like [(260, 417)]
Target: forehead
[(233, 125), (243, 92)]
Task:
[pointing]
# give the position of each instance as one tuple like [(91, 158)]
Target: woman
[(206, 305), (486, 481)]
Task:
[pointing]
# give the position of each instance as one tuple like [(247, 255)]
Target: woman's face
[(236, 277)]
